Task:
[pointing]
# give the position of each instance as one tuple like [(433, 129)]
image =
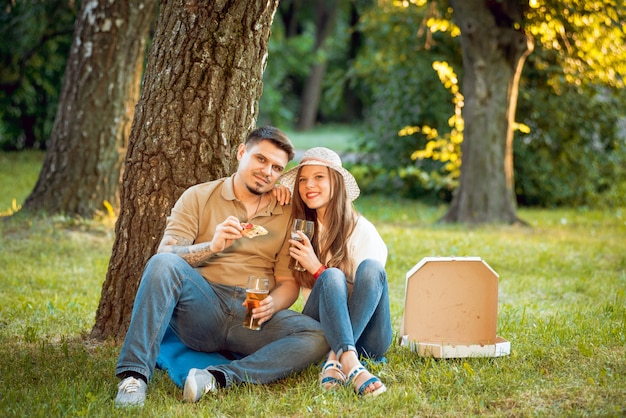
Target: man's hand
[(198, 254), (265, 311), (225, 234)]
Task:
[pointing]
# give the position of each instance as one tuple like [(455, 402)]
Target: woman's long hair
[(341, 216)]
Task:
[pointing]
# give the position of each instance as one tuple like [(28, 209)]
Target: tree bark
[(494, 52), (201, 89), (82, 167)]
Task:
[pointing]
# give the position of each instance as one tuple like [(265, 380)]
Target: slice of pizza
[(252, 230)]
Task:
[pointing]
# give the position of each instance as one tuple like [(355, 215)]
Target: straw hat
[(324, 157)]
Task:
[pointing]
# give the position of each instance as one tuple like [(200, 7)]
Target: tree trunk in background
[(199, 101), (493, 56), (353, 103), (325, 16), (311, 96), (82, 167)]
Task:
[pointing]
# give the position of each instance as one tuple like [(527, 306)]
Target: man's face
[(260, 165)]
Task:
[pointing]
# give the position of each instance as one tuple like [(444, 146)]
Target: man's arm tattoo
[(195, 255)]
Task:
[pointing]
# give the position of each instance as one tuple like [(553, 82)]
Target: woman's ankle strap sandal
[(331, 376), (362, 389)]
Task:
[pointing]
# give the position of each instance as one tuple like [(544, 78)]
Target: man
[(196, 282)]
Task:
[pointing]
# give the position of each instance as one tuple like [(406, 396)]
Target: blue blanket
[(177, 359)]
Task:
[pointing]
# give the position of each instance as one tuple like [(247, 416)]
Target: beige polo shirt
[(202, 207)]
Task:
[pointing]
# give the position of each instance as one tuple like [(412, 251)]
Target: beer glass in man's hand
[(258, 288), (306, 227)]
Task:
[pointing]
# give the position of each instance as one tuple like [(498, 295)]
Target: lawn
[(562, 305), (336, 137)]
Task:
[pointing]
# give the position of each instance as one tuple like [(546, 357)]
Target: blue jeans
[(361, 321), (209, 317)]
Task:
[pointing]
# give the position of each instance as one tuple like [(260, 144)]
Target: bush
[(575, 153), (36, 42)]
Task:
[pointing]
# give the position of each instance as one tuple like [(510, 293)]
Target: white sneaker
[(198, 382), (130, 392)]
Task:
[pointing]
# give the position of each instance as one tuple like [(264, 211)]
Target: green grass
[(18, 174), (339, 138), (562, 305)]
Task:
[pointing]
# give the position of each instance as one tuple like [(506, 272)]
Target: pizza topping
[(250, 230)]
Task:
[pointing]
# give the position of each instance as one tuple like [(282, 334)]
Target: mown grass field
[(562, 305)]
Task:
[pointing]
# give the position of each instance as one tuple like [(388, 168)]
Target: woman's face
[(314, 187)]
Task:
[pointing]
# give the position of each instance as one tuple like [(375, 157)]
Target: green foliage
[(443, 148), (575, 153), (291, 56), (571, 98), (36, 41), (288, 64), (396, 64), (340, 82), (571, 92), (562, 305), (587, 39)]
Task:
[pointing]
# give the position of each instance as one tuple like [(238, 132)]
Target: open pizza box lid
[(451, 309)]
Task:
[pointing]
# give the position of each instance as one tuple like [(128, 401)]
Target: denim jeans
[(361, 321), (209, 317)]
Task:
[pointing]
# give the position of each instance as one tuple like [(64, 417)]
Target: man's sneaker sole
[(198, 383)]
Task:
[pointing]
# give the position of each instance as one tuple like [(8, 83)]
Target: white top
[(365, 242)]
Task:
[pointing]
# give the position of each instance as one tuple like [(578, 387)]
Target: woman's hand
[(282, 194), (304, 253)]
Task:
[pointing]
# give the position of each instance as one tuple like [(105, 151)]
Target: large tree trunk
[(493, 55), (202, 85), (81, 170)]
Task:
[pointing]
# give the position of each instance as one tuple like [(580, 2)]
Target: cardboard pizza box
[(451, 309)]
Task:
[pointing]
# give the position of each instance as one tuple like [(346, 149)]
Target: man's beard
[(254, 191), (258, 187)]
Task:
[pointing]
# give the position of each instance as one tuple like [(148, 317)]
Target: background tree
[(586, 40), (580, 57), (380, 78), (81, 170), (494, 49), (325, 13), (199, 101), (309, 80)]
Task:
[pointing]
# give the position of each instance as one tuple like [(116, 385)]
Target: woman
[(345, 271)]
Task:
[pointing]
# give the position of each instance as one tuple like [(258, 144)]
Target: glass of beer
[(306, 227), (257, 289)]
